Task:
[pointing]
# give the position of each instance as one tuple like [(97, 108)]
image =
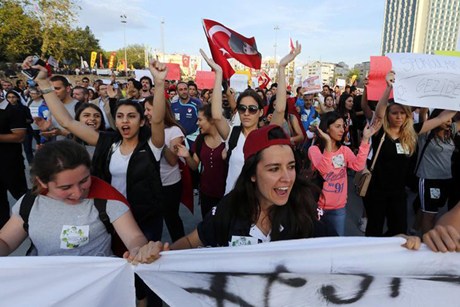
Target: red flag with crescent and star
[(226, 43)]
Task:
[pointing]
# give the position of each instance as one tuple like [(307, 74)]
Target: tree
[(351, 73), (135, 55), (19, 34)]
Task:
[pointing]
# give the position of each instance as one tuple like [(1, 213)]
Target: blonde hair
[(407, 134)]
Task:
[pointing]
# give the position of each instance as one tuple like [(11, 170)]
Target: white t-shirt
[(118, 166), (33, 107), (236, 162), (170, 174), (70, 107)]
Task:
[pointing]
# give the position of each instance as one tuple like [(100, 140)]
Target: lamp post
[(276, 28), (162, 23), (124, 21)]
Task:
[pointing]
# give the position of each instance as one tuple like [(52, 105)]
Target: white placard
[(139, 73), (239, 82), (424, 80), (341, 82), (312, 85)]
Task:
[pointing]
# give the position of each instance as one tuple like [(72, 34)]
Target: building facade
[(420, 26)]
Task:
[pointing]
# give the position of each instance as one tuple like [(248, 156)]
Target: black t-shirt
[(392, 166), (11, 118), (217, 228)]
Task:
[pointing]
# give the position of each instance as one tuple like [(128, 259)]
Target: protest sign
[(239, 82), (205, 79), (341, 82), (380, 66), (424, 80), (312, 85), (173, 71)]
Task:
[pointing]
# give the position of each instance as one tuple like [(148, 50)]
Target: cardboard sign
[(425, 80), (205, 79), (312, 85), (379, 68)]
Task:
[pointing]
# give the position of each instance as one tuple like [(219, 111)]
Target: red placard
[(205, 79), (173, 71), (379, 68)]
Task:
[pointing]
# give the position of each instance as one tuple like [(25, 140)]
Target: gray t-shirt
[(436, 161), (60, 229)]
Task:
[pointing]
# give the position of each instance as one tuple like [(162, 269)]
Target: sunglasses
[(252, 109)]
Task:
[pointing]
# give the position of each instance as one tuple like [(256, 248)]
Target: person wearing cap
[(270, 201)]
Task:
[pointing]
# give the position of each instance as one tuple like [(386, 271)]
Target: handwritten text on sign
[(427, 80)]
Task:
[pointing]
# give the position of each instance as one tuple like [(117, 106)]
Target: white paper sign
[(239, 82), (312, 85), (424, 80), (341, 82), (139, 73)]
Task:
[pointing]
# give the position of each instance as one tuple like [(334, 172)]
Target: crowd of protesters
[(256, 157)]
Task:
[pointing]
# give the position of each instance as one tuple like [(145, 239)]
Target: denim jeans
[(335, 219)]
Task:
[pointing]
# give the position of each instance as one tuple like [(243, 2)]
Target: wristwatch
[(47, 90)]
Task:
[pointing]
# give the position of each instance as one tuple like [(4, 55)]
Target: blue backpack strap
[(24, 210), (101, 205)]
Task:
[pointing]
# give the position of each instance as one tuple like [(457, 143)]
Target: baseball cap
[(258, 140)]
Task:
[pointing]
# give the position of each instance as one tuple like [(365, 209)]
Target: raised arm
[(87, 134), (281, 98), (365, 103), (383, 101), (430, 124), (159, 72), (216, 105)]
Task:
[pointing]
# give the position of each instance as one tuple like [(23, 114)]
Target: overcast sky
[(328, 30)]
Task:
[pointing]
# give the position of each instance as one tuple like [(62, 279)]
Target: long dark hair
[(449, 137), (341, 107), (296, 216), (86, 105), (328, 119), (169, 119), (55, 157), (253, 94)]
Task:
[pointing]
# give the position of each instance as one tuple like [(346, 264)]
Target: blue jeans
[(335, 219)]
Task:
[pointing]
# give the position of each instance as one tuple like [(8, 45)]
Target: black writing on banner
[(432, 86), (428, 63)]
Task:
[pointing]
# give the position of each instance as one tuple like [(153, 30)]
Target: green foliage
[(135, 55), (44, 29)]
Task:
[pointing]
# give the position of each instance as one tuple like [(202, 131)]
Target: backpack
[(233, 140), (98, 187)]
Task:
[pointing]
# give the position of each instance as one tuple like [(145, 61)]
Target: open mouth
[(125, 129), (283, 191)]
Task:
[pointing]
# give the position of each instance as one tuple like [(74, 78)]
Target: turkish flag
[(186, 61), (263, 79), (226, 43)]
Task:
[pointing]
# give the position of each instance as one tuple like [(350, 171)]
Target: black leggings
[(381, 206), (171, 197)]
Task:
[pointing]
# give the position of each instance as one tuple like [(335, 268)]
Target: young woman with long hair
[(332, 159)]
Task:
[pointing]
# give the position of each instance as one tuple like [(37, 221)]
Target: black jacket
[(143, 181)]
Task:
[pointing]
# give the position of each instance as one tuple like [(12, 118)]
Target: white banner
[(351, 271), (424, 80), (66, 281), (311, 272)]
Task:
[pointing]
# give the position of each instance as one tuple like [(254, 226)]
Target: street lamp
[(124, 21), (276, 28)]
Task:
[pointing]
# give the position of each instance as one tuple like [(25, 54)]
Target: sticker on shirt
[(74, 236), (400, 150), (435, 193), (177, 116), (338, 161), (242, 240)]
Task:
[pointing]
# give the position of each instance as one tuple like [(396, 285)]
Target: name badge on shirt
[(338, 161), (74, 236), (242, 240), (400, 149)]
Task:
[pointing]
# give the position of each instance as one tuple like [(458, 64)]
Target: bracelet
[(47, 90)]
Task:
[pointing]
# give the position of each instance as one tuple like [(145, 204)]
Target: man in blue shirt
[(185, 110)]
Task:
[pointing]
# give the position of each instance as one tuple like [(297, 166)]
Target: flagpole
[(124, 22)]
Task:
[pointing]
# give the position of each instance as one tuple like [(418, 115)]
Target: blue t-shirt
[(187, 115)]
